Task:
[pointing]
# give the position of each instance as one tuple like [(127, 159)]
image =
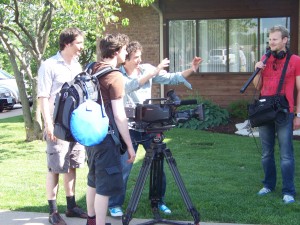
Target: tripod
[(154, 160)]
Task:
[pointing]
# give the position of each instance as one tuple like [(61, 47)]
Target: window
[(182, 46), (226, 45)]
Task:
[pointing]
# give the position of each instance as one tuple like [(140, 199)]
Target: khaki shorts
[(62, 155)]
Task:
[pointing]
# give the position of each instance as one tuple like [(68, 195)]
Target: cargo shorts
[(63, 155), (105, 170)]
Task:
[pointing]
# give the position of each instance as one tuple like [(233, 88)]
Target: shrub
[(238, 109)]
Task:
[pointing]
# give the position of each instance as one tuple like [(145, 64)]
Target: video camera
[(162, 115)]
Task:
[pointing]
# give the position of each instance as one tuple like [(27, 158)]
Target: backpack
[(77, 116)]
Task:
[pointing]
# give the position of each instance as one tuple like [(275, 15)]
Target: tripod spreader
[(154, 160)]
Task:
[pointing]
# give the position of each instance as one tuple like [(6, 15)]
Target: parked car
[(219, 56), (9, 92)]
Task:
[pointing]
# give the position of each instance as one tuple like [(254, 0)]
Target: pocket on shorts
[(57, 162), (57, 146), (113, 170), (77, 158)]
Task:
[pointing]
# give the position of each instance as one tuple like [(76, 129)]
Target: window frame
[(258, 37)]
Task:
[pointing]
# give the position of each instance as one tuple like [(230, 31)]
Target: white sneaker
[(115, 211), (288, 199), (164, 209), (264, 191)]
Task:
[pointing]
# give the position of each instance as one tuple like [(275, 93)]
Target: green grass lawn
[(222, 174)]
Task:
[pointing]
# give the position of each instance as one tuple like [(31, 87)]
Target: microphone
[(268, 54), (188, 102), (176, 100)]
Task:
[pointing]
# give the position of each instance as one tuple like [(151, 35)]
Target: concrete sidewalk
[(33, 218)]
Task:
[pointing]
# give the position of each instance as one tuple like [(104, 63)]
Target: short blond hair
[(284, 32)]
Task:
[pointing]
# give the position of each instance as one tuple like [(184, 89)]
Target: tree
[(28, 27)]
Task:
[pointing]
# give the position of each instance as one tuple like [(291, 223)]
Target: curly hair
[(132, 47)]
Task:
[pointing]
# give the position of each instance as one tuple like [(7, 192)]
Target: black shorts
[(105, 170)]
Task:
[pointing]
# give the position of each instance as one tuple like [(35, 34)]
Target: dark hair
[(112, 43), (132, 47), (68, 35), (284, 32)]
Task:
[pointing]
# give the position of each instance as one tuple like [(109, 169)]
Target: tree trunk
[(32, 128), (37, 115), (33, 122)]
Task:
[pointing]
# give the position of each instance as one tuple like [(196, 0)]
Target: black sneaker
[(56, 219), (76, 212)]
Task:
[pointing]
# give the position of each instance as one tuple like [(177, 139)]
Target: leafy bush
[(238, 109), (214, 116)]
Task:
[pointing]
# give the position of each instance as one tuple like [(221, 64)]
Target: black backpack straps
[(115, 132), (104, 71), (289, 55), (89, 67)]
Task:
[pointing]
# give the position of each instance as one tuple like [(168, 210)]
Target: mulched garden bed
[(231, 129)]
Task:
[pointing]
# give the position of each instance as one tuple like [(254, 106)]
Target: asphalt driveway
[(16, 111)]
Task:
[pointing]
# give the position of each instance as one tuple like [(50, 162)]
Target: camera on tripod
[(159, 114)]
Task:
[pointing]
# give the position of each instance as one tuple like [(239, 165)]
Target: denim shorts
[(105, 170), (62, 155)]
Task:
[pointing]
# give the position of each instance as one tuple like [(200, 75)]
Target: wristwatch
[(297, 115)]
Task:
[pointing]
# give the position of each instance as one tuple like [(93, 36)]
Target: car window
[(216, 52), (4, 75)]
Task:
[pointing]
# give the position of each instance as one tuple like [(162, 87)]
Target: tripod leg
[(140, 183), (155, 190), (187, 200)]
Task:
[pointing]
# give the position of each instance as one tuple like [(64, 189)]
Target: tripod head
[(158, 138)]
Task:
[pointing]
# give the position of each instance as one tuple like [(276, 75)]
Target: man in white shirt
[(62, 156)]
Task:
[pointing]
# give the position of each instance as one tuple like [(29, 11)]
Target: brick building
[(215, 30)]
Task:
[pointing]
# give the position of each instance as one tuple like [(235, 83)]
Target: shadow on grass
[(7, 154)]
